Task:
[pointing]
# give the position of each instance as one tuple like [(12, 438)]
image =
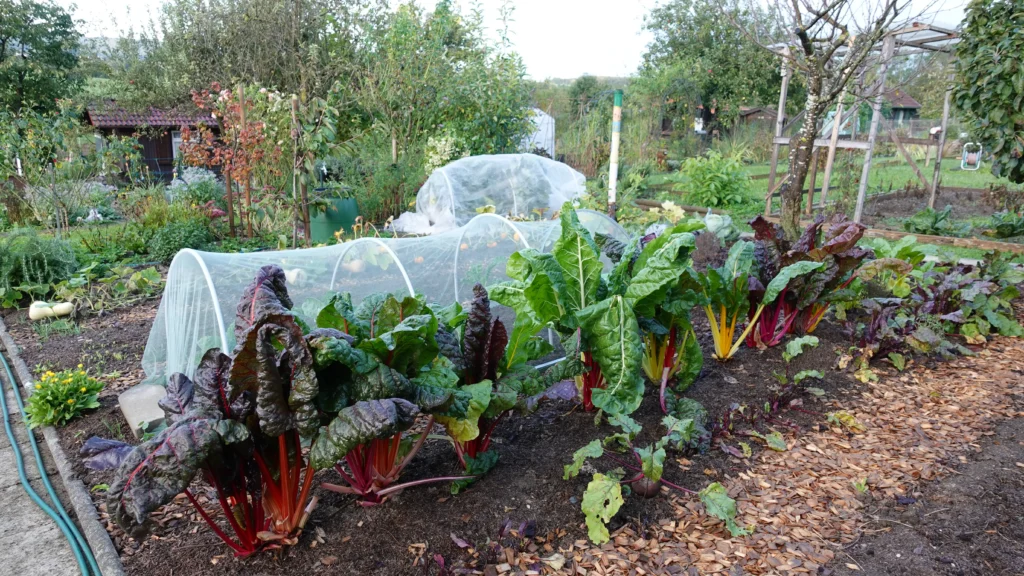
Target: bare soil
[(886, 211), (968, 524)]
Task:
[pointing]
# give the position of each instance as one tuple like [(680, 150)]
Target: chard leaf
[(154, 472), (450, 316), (785, 276), (340, 315), (328, 351), (449, 347), (102, 454), (475, 468), (612, 333), (409, 346), (796, 346), (601, 502), (775, 441), (651, 283), (692, 362), (476, 334), (741, 257), (804, 374), (625, 423), (359, 424), (265, 296), (717, 503), (577, 257), (871, 270), (178, 400), (593, 450), (652, 462), (679, 432), (844, 419), (467, 428)]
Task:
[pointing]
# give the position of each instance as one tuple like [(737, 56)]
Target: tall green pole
[(613, 167)]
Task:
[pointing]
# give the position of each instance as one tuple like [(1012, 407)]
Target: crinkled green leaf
[(359, 424), (265, 296), (613, 336), (467, 428), (601, 502), (717, 503), (340, 315), (785, 276), (804, 374), (410, 345), (475, 468), (796, 346), (652, 282)]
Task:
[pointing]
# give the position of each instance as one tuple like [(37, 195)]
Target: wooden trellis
[(913, 39)]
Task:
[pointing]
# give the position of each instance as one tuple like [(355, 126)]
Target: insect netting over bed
[(203, 288), (517, 185)]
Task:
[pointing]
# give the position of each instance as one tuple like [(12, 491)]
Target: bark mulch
[(803, 503)]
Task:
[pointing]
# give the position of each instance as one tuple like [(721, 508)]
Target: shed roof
[(900, 99), (110, 115)]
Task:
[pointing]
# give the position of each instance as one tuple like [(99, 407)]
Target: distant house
[(757, 115), (158, 131), (902, 107)]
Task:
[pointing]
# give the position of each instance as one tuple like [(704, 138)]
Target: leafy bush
[(936, 223), (195, 187), (716, 181), (1005, 225), (171, 238), (60, 397), (28, 259), (119, 287)]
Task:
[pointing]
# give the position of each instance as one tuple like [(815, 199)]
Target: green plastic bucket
[(340, 214)]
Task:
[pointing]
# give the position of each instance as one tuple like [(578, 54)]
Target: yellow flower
[(39, 386), (79, 366), (71, 400), (83, 389)]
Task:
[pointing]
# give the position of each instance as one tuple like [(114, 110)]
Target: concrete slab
[(31, 542), (140, 407)]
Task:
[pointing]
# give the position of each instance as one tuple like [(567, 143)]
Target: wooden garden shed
[(158, 131)]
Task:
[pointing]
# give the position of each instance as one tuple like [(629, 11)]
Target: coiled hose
[(83, 554)]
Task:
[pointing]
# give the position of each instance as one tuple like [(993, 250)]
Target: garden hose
[(83, 554)]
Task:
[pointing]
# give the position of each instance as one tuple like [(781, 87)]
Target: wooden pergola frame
[(899, 42)]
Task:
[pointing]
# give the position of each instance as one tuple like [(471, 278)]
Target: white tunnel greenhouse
[(203, 288), (517, 185)]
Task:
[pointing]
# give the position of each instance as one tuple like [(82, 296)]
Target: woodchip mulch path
[(803, 503)]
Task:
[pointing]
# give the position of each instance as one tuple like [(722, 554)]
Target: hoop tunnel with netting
[(203, 288), (517, 185)]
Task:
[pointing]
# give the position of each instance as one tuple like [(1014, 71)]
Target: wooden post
[(613, 163), (906, 156), (830, 159), (779, 124), (813, 177), (227, 197), (888, 46), (246, 216), (942, 144), (297, 168)]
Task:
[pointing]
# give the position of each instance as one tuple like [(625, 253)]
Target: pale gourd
[(39, 310)]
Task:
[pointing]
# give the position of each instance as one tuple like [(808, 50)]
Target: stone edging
[(99, 540)]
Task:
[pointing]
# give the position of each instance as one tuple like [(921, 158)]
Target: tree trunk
[(231, 208), (800, 149)]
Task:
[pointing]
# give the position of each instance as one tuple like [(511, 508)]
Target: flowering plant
[(59, 397)]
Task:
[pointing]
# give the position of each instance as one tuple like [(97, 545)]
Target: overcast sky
[(556, 38)]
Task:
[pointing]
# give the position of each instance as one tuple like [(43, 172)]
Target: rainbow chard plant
[(564, 290), (376, 365), (724, 294), (475, 358), (238, 424), (648, 274), (807, 296)]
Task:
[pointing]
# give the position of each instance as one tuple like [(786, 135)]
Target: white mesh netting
[(514, 184), (203, 288)]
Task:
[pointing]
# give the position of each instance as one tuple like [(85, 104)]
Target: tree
[(990, 86), (298, 47), (829, 42), (705, 56), (38, 40)]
